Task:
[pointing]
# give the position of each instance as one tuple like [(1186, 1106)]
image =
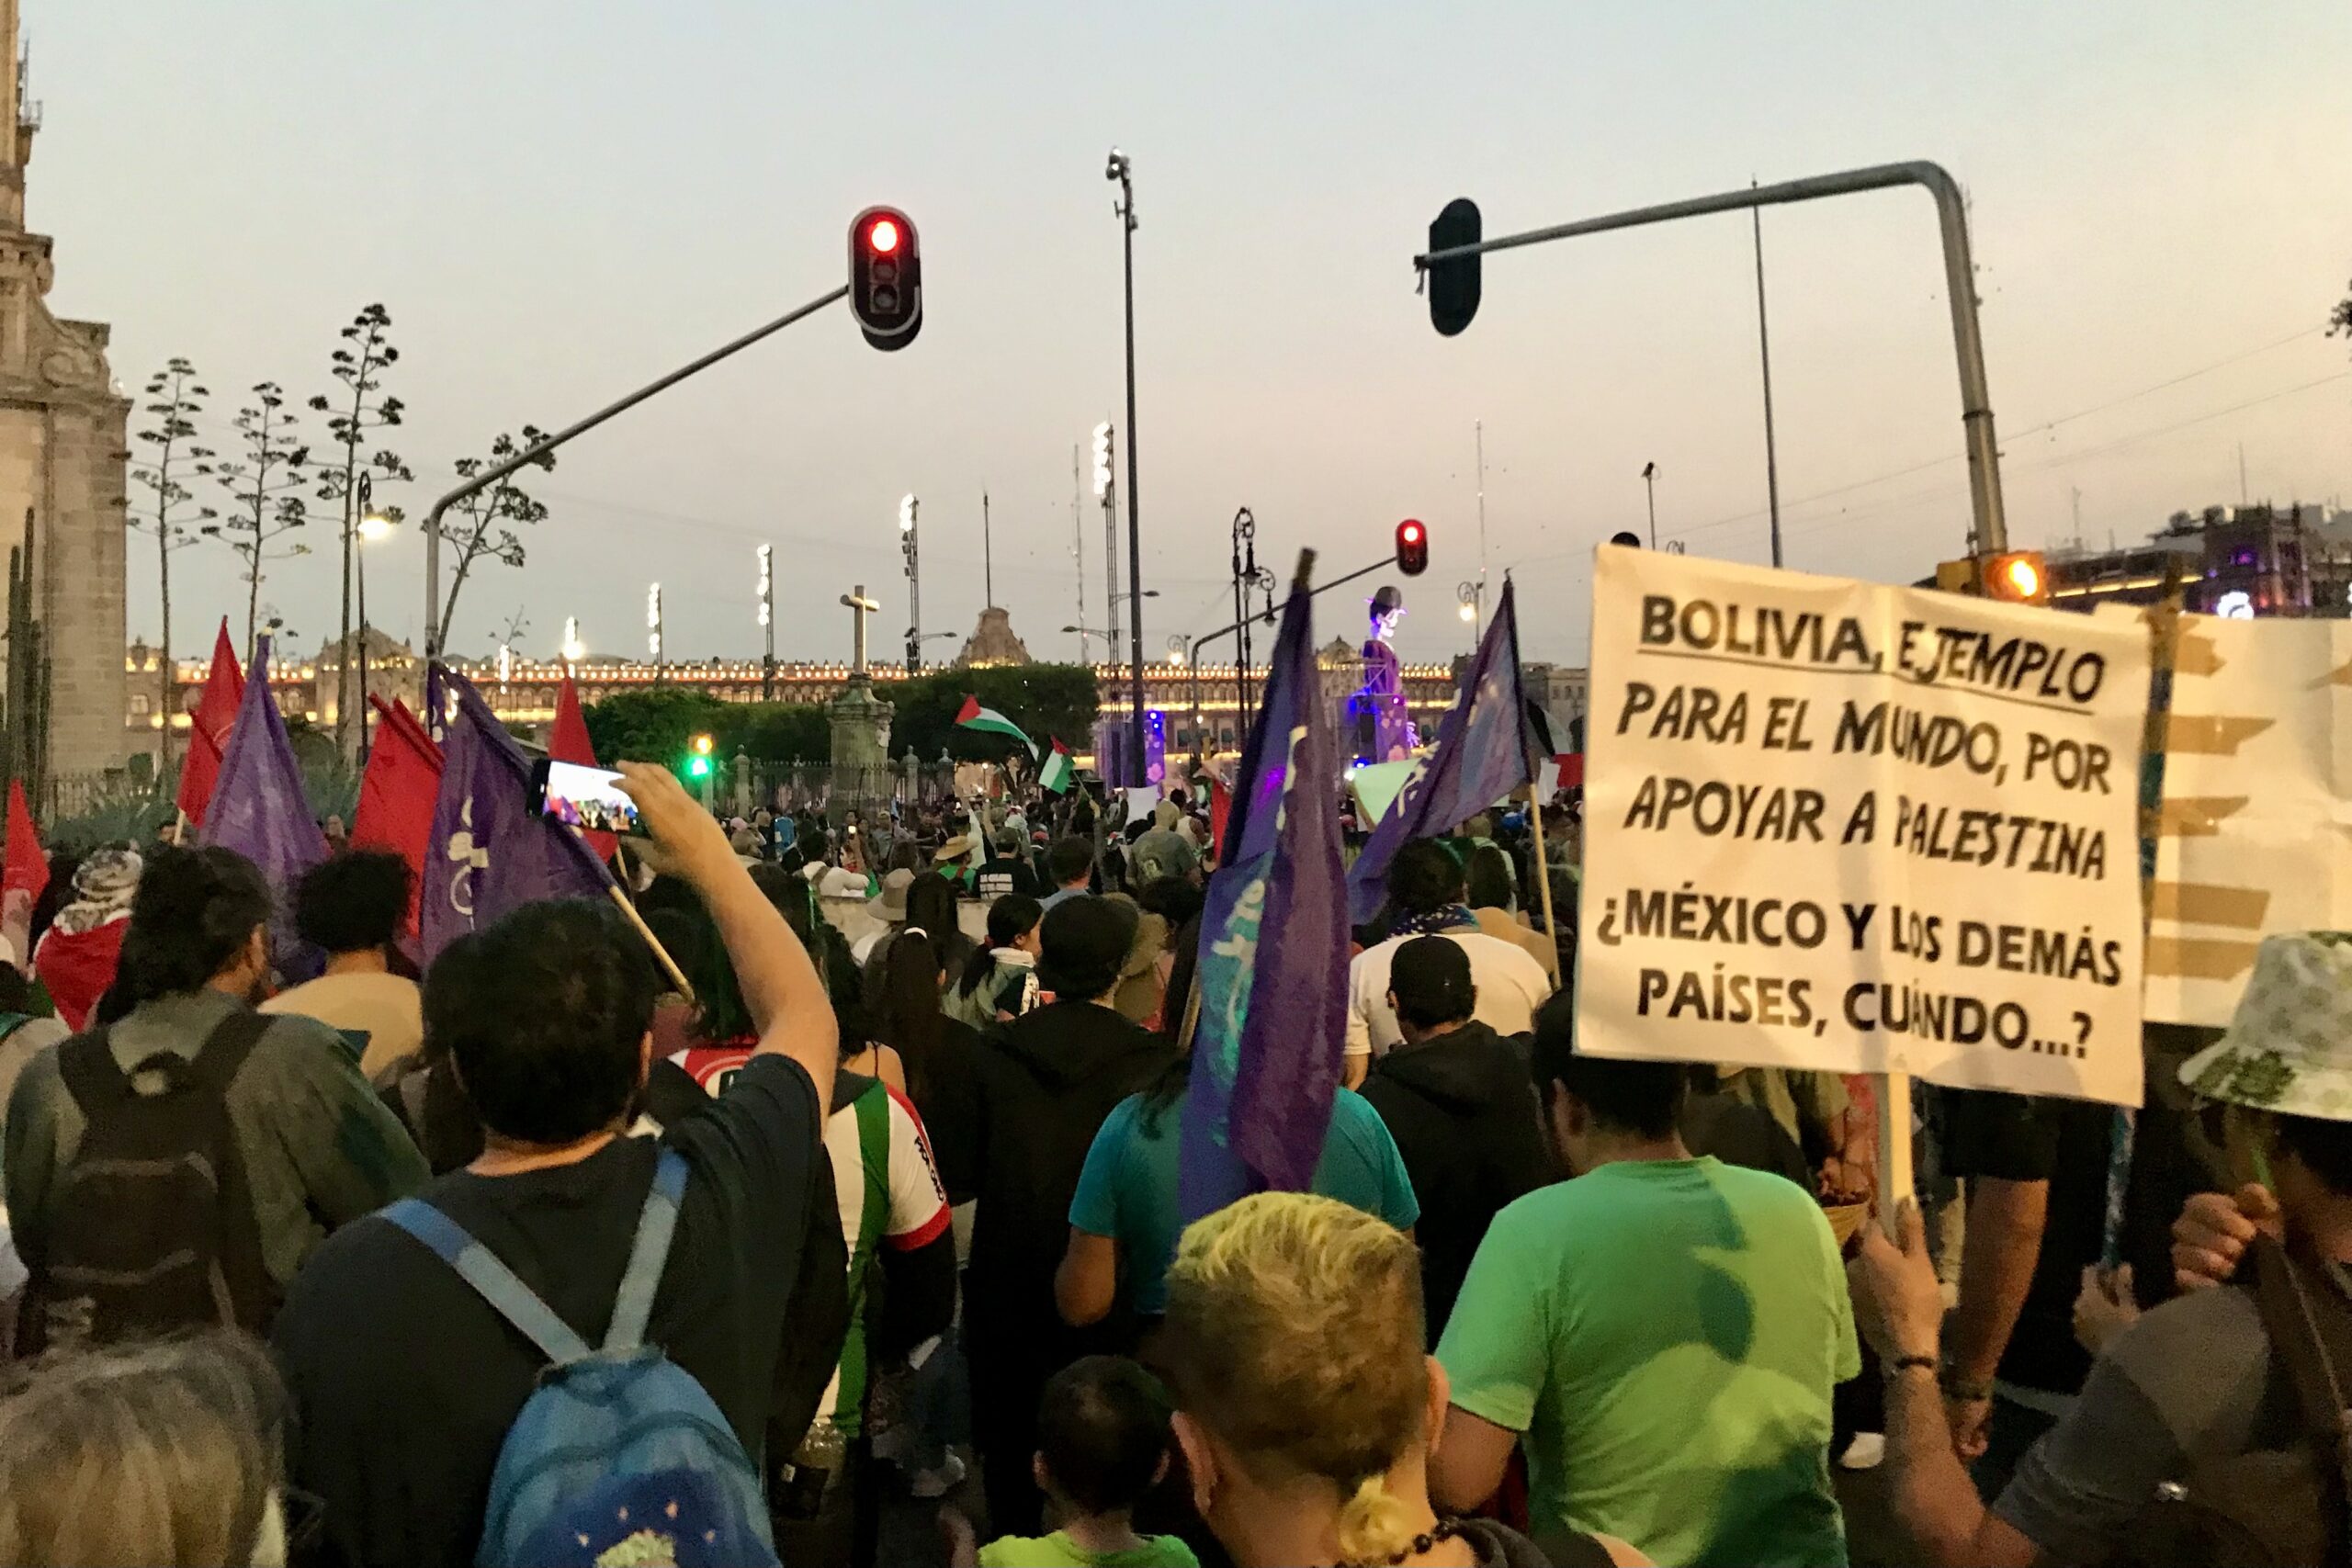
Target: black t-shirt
[(1001, 875), (2066, 1143), (404, 1381)]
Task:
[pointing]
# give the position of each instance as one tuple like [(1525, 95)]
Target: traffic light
[(2019, 577), (1454, 285), (699, 757), (1412, 547), (884, 277)]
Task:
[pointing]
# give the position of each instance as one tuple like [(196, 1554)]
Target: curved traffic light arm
[(490, 476), (1992, 531)]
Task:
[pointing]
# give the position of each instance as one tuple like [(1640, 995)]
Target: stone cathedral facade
[(63, 440)]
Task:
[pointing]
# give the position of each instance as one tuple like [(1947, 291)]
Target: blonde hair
[(1294, 1332), (166, 1453)]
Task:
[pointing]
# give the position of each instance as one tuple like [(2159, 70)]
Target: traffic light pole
[(1991, 532), (492, 475)]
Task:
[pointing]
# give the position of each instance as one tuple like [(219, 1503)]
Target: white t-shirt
[(1510, 983), (388, 1009)]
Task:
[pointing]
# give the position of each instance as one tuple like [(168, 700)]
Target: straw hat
[(2289, 1047)]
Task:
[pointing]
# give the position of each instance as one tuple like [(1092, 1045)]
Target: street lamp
[(767, 623), (1468, 594), (653, 628), (910, 547), (1118, 170), (373, 527), (1649, 483)]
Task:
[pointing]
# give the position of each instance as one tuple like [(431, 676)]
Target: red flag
[(1220, 806), (207, 737), (569, 742), (397, 793), (28, 867)]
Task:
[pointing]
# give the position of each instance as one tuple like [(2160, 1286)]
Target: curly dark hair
[(351, 902)]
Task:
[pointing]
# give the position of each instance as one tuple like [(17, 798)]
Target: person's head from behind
[(547, 1017), (900, 985), (1070, 861), (199, 920), (1595, 1107), (931, 904), (1008, 843), (1085, 944), (1430, 986), (2277, 1088), (168, 1452), (1486, 879), (1102, 1437), (1175, 899), (1423, 878), (354, 902), (1481, 826), (1294, 1346)]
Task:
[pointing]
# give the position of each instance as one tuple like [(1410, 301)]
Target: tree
[(358, 409), (655, 726), (2340, 320), (175, 398), (479, 525), (263, 483)]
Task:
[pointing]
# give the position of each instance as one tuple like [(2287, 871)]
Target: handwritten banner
[(1837, 825), (2254, 835)]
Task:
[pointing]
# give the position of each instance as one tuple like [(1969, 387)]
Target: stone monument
[(64, 439), (860, 724)]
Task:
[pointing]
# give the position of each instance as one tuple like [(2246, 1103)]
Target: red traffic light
[(1412, 547), (884, 277)]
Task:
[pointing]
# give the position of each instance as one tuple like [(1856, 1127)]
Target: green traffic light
[(697, 767)]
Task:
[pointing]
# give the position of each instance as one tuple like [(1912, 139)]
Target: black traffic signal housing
[(1412, 547), (884, 277), (2018, 577), (1454, 285)]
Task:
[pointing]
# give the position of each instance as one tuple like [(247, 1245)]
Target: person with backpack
[(174, 1167), (2210, 1431), (575, 1339)]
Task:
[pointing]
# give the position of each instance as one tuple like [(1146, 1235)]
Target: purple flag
[(1481, 756), (490, 852), (1274, 955), (260, 810)]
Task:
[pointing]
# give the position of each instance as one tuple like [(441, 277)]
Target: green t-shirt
[(1666, 1333), (1057, 1550), (1128, 1189)]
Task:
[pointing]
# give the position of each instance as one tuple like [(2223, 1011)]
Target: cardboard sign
[(1842, 826), (2256, 831)]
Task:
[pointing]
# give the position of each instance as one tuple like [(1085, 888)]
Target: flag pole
[(1544, 884), (660, 954)]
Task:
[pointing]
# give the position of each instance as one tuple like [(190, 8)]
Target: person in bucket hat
[(2205, 1379)]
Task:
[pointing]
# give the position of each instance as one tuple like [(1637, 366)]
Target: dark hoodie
[(1462, 1112), (1045, 1083)]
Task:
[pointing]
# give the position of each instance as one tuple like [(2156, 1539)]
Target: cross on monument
[(859, 606)]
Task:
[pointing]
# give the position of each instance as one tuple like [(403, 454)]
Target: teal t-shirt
[(1057, 1550), (1666, 1333), (1128, 1189)]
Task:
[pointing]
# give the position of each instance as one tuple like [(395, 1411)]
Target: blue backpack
[(614, 1444)]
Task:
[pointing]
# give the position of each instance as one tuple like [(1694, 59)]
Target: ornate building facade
[(63, 434)]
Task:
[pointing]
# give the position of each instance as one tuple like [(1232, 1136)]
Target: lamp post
[(1469, 595), (910, 547), (1649, 483), (1180, 651), (373, 527), (653, 629), (767, 622), (1120, 171)]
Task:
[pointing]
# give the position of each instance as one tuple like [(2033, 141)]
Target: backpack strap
[(2309, 1324), (91, 1075), (649, 1255), (498, 1284), (223, 1053)]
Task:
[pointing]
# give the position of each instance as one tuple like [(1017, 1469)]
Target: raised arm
[(790, 1011)]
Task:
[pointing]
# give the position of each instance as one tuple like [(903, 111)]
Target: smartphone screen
[(584, 797)]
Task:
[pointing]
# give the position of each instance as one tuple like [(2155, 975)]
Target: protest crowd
[(1097, 1182)]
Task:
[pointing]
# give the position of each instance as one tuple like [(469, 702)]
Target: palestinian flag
[(975, 716), (1054, 773)]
